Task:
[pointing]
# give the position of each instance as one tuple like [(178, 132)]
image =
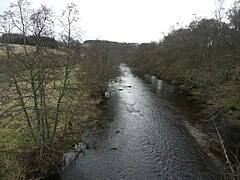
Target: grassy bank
[(203, 59), (58, 96), (17, 146), (49, 89)]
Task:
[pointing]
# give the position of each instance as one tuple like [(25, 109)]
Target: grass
[(19, 49), (14, 136), (13, 139)]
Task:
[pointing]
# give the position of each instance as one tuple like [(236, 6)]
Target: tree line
[(203, 58), (30, 40), (101, 60), (47, 95)]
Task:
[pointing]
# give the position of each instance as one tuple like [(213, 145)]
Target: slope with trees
[(45, 102), (203, 59)]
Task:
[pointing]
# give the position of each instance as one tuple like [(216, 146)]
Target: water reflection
[(176, 97), (151, 143)]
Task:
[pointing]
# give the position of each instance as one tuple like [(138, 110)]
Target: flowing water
[(147, 136)]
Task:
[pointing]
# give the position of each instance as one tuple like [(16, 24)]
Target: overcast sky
[(131, 20)]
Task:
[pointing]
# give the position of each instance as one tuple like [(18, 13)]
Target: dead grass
[(14, 137), (19, 49), (16, 48)]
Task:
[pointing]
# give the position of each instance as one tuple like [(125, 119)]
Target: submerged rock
[(117, 131), (107, 95)]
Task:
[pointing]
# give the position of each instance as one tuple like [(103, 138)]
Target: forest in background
[(30, 40), (203, 58), (50, 89)]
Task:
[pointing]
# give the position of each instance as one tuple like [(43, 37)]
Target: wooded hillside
[(203, 58)]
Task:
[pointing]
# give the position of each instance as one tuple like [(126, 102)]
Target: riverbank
[(16, 146), (208, 135), (147, 136)]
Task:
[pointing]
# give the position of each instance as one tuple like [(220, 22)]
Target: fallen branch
[(228, 162)]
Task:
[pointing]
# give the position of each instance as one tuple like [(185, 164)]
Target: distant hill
[(31, 40)]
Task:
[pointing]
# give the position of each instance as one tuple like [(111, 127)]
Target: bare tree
[(100, 63), (219, 13), (5, 29), (20, 16), (68, 20), (33, 73)]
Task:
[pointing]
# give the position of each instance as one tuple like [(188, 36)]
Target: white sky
[(131, 20)]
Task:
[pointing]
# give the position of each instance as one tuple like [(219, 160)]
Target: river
[(147, 136)]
